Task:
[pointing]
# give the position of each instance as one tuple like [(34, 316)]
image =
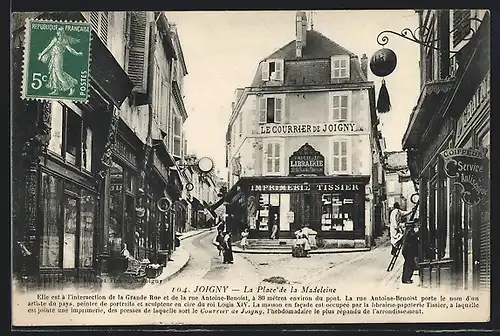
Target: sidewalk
[(180, 259), (237, 249)]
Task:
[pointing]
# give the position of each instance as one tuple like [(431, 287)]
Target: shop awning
[(429, 102)]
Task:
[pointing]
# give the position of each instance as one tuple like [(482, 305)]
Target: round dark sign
[(383, 62)]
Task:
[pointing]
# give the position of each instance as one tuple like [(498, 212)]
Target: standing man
[(397, 225), (410, 253)]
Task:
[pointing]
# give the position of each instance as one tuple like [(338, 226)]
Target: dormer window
[(340, 67), (272, 70)]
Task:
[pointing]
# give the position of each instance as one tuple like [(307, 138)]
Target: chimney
[(304, 29), (364, 65), (300, 32)]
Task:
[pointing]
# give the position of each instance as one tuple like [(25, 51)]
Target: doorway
[(274, 222)]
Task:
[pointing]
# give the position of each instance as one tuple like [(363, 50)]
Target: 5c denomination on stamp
[(56, 60)]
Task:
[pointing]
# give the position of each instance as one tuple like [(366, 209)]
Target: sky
[(222, 51)]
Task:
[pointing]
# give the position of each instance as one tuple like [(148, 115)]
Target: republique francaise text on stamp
[(56, 60)]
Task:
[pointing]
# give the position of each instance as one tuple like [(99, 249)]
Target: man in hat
[(410, 252), (397, 225)]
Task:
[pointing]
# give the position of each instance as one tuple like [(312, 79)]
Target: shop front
[(334, 207), (452, 164)]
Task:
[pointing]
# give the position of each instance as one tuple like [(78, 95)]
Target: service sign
[(470, 168)]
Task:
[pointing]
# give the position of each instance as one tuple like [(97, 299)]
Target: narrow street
[(205, 265), (320, 269)]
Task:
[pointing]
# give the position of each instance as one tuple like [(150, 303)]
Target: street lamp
[(384, 61)]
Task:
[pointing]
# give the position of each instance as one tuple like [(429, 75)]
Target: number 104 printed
[(57, 57)]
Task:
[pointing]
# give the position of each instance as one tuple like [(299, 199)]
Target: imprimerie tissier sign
[(306, 161), (330, 128)]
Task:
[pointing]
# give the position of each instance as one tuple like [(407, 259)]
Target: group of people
[(404, 236), (223, 243)]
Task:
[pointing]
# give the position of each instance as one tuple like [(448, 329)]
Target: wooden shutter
[(279, 70), (265, 71), (461, 25), (137, 66), (94, 21), (262, 111), (103, 26), (278, 110)]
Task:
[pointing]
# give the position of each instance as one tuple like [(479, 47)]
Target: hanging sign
[(470, 168), (306, 161)]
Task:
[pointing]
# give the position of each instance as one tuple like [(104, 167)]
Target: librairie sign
[(307, 129), (470, 168), (306, 161)]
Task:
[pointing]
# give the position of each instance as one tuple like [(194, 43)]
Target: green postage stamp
[(56, 60)]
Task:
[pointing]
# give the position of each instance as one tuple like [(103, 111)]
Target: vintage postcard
[(250, 167)]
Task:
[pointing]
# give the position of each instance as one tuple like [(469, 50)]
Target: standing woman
[(244, 238), (228, 250)]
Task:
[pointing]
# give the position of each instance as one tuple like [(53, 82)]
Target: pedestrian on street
[(307, 246), (228, 250), (244, 239), (274, 229), (219, 241), (410, 253), (397, 226)]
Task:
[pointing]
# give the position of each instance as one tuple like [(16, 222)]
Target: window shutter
[(265, 71), (461, 25), (103, 29), (94, 21), (344, 107), (137, 68), (277, 158), (279, 70), (262, 110), (277, 110), (336, 107)]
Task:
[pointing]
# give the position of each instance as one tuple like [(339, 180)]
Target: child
[(244, 239)]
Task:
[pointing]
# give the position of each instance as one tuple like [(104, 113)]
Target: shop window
[(116, 209), (68, 233), (70, 219), (49, 242), (270, 110), (87, 213), (268, 212), (273, 157), (337, 212), (340, 158)]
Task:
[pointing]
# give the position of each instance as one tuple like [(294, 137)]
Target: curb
[(289, 251), (179, 270), (197, 233)]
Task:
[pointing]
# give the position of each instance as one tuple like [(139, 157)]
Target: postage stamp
[(56, 60)]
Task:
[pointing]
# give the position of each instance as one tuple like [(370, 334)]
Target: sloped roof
[(317, 46), (313, 68)]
